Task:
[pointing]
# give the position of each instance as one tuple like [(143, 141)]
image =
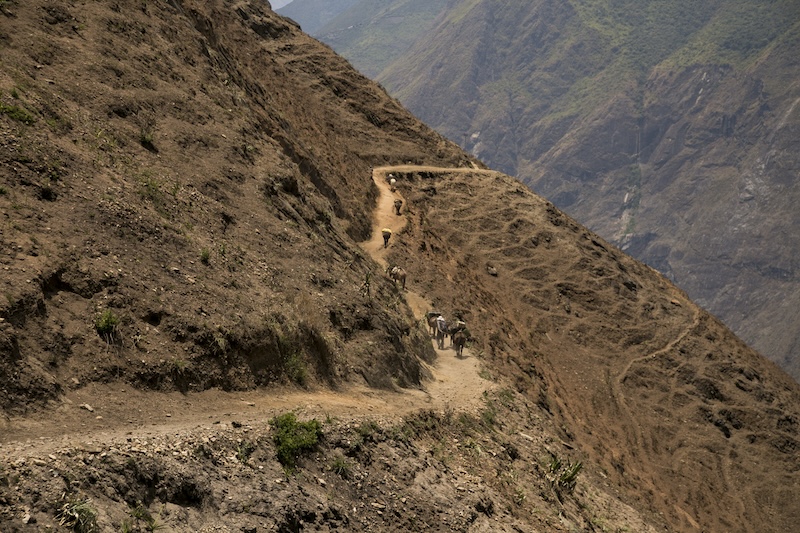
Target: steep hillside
[(198, 333), (141, 189), (371, 35), (314, 13), (667, 127), (655, 391)]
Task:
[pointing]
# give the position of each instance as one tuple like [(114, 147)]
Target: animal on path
[(397, 274), (431, 320), (459, 340), (441, 331), (452, 329)]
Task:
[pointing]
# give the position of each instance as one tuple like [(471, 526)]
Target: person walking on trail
[(386, 234), (397, 205)]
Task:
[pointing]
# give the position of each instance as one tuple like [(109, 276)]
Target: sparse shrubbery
[(244, 450), (78, 515), (341, 467), (17, 113), (295, 368), (106, 325), (563, 476), (293, 438)]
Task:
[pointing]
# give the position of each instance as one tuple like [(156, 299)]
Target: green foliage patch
[(17, 113), (293, 438), (106, 325)]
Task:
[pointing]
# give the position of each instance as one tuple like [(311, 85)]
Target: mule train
[(440, 330)]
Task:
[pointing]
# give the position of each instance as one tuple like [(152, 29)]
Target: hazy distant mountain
[(370, 34), (192, 194), (669, 127), (313, 14)]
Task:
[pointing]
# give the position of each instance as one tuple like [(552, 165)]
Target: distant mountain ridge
[(314, 13), (370, 34), (668, 127)]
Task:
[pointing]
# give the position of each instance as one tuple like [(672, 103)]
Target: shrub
[(341, 467), (244, 450), (17, 113), (106, 325), (563, 477), (78, 515), (296, 369), (292, 438)]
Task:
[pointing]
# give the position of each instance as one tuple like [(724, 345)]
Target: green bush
[(106, 325), (563, 477), (292, 438), (341, 467)]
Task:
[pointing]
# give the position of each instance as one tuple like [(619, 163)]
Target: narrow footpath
[(101, 414)]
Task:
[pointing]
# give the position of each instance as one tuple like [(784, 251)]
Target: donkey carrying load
[(397, 274)]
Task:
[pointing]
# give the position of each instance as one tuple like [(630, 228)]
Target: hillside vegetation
[(198, 333)]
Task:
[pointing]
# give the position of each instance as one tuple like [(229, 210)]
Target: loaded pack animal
[(397, 274), (459, 340), (431, 320), (441, 331), (452, 329)]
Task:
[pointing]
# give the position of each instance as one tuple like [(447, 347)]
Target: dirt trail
[(104, 413)]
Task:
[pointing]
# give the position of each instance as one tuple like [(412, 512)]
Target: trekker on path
[(386, 234)]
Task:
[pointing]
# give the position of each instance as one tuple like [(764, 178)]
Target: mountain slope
[(668, 127), (370, 34), (167, 171), (185, 189), (314, 13)]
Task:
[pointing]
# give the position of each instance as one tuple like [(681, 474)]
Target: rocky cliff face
[(674, 136)]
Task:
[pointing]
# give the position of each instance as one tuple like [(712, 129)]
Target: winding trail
[(457, 383), (102, 414)]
